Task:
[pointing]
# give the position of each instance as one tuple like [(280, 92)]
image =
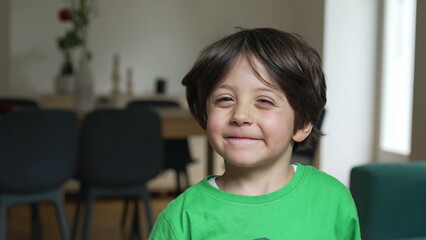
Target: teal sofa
[(391, 200)]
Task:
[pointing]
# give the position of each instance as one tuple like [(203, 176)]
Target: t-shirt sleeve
[(350, 224), (162, 229), (353, 228)]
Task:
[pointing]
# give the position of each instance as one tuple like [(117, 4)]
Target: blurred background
[(373, 56), (372, 50)]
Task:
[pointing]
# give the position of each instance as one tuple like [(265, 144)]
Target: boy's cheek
[(214, 124), (278, 123)]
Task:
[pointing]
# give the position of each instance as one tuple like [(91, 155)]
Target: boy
[(257, 93)]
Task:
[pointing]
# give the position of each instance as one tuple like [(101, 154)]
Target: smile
[(242, 138)]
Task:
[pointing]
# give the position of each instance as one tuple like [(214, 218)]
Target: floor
[(106, 219)]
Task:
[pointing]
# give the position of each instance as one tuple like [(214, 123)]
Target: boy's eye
[(265, 101), (224, 101)]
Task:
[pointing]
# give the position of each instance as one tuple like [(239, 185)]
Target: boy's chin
[(245, 163), (252, 162)]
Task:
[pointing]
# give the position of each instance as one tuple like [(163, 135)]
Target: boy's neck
[(255, 181)]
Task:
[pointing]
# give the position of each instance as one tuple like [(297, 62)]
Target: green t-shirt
[(313, 205)]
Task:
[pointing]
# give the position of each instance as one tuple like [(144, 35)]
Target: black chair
[(307, 156), (177, 153), (8, 105), (120, 151), (38, 153)]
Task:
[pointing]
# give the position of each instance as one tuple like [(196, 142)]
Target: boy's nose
[(241, 116)]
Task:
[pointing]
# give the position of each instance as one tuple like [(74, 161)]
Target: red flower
[(64, 15)]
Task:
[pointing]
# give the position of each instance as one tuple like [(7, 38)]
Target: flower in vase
[(78, 16), (64, 15)]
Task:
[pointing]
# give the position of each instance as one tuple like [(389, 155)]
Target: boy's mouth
[(239, 141), (241, 138)]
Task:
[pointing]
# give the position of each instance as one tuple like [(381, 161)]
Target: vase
[(84, 96), (65, 80), (64, 84)]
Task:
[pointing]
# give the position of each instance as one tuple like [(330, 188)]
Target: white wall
[(4, 45), (34, 59), (307, 19), (349, 63)]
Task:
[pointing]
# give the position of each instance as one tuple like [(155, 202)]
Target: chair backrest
[(391, 200), (120, 147), (13, 104), (38, 150), (152, 103), (177, 153)]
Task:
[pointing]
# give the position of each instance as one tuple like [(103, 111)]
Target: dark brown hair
[(293, 64)]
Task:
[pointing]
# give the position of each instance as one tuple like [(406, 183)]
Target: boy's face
[(250, 123)]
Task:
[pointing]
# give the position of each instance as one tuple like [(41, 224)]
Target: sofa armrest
[(391, 199)]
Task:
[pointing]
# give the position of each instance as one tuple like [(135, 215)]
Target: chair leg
[(89, 201), (178, 189), (125, 211), (3, 212), (148, 210), (185, 173), (60, 212), (77, 215), (35, 220), (136, 232)]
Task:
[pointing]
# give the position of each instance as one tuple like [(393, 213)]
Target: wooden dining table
[(177, 123)]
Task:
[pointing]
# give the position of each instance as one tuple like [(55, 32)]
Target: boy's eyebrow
[(270, 89), (275, 91)]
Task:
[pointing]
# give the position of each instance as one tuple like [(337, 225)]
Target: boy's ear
[(303, 133)]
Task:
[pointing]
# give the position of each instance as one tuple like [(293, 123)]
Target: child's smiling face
[(251, 123)]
